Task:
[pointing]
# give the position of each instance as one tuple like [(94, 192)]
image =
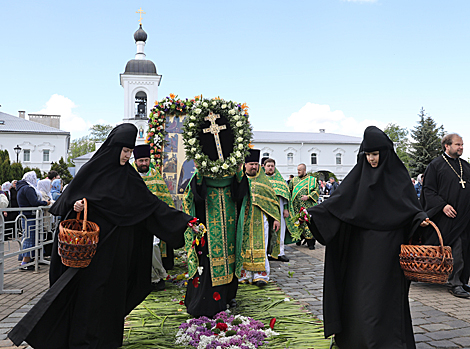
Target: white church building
[(320, 152), (37, 142)]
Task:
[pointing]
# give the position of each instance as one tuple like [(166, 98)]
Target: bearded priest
[(261, 225)]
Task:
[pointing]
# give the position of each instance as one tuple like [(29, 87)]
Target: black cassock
[(85, 308), (363, 224), (441, 187)]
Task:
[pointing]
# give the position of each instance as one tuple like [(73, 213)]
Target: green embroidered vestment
[(221, 222), (306, 185), (282, 189), (262, 200)]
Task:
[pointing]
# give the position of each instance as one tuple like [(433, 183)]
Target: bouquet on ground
[(224, 331)]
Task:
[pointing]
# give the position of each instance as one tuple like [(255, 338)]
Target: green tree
[(16, 171), (79, 147), (99, 133), (426, 144), (86, 144), (35, 169), (62, 168), (398, 135)]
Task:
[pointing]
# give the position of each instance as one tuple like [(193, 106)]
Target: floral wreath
[(237, 116), (168, 106)]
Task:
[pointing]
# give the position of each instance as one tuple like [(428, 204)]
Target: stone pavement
[(440, 320)]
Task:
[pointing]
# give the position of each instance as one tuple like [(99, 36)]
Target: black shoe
[(159, 286), (458, 291), (270, 258), (466, 287), (311, 244), (232, 303), (305, 242), (283, 258), (260, 283), (298, 243), (28, 268)]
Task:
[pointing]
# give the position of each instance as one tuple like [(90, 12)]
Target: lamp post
[(17, 150)]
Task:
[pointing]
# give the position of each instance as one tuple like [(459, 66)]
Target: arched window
[(290, 158), (313, 158), (338, 159), (141, 105), (265, 155)]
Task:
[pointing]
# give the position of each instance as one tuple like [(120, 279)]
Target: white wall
[(36, 143), (326, 156)]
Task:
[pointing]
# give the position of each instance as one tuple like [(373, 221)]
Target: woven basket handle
[(85, 214), (441, 241)]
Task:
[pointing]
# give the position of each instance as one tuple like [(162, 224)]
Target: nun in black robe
[(363, 224), (85, 308)]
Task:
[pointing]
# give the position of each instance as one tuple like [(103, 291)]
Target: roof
[(14, 124), (86, 156), (303, 137), (140, 67)]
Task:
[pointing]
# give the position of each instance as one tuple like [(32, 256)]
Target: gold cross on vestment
[(214, 221), (229, 194), (140, 12), (217, 249), (212, 195), (231, 247), (215, 129), (230, 220)]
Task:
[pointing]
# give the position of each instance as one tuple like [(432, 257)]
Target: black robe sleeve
[(430, 199)]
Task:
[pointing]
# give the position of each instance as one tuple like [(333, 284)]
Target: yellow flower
[(197, 241), (172, 96), (180, 309)]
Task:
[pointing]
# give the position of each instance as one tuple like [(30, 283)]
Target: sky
[(299, 65)]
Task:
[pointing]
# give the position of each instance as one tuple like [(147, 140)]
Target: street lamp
[(17, 150)]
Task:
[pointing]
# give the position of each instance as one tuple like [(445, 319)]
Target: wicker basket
[(78, 240), (432, 264)]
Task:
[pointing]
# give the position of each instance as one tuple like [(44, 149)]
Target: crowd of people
[(249, 217)]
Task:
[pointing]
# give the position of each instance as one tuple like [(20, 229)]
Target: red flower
[(168, 277), (272, 322), (152, 151), (181, 302), (194, 243), (196, 282), (302, 208), (221, 326), (203, 241), (216, 296)]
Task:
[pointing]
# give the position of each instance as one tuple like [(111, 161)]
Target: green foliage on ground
[(155, 322)]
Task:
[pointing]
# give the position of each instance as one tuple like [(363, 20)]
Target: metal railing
[(13, 234)]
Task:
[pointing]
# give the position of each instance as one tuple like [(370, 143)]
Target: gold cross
[(230, 220), (214, 221), (462, 182), (229, 194), (217, 249), (213, 195), (231, 247), (215, 129), (257, 222), (140, 12)]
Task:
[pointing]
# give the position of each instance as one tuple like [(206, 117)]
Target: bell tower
[(140, 82)]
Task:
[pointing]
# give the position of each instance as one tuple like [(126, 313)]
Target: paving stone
[(423, 346), (421, 338), (463, 341), (443, 344), (436, 327), (438, 335)]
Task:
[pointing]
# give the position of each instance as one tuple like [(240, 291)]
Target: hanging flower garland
[(237, 115), (168, 106)]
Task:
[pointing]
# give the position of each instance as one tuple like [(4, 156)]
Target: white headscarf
[(32, 179), (6, 186), (44, 186)]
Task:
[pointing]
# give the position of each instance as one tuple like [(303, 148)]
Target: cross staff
[(215, 129), (140, 12)]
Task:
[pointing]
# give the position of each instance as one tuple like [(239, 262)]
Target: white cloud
[(63, 106), (313, 117)]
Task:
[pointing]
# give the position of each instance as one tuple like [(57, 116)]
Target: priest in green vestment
[(155, 183), (261, 224), (304, 192), (288, 231), (214, 261)]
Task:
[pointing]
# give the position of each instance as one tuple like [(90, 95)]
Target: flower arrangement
[(224, 331), (300, 220), (168, 106), (237, 115)]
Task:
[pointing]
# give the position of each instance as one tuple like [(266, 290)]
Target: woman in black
[(363, 224), (85, 308)]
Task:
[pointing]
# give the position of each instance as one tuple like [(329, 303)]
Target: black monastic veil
[(85, 308), (363, 224)]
